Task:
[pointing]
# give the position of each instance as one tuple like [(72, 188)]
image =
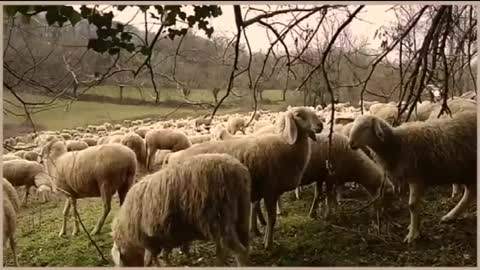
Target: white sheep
[(75, 145), (406, 153), (98, 171), (11, 205), (276, 161), (205, 197), (164, 139), (137, 144), (26, 173), (235, 124)]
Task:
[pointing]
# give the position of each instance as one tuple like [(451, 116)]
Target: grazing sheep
[(406, 153), (75, 145), (457, 105), (116, 132), (202, 121), (99, 129), (11, 205), (98, 171), (90, 141), (31, 155), (159, 139), (110, 139), (235, 124), (199, 138), (220, 133), (276, 161), (21, 172), (66, 136), (117, 127), (142, 131), (137, 144), (348, 165), (387, 112), (175, 206), (10, 156)]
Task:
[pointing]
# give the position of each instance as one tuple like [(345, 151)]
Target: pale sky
[(369, 20)]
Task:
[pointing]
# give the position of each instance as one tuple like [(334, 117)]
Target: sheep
[(90, 141), (66, 136), (110, 139), (108, 126), (80, 129), (11, 205), (199, 138), (142, 132), (347, 164), (219, 132), (98, 171), (75, 145), (116, 132), (276, 161), (137, 144), (20, 172), (117, 127), (234, 124), (175, 206), (159, 139), (202, 121), (456, 106), (31, 156), (387, 112), (406, 153), (98, 129), (8, 157)]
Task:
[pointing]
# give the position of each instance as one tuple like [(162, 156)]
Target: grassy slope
[(345, 240)]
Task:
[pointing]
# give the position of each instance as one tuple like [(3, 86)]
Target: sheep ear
[(378, 130), (290, 131)]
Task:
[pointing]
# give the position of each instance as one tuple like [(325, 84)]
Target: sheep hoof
[(447, 218), (74, 233), (62, 233), (411, 237)]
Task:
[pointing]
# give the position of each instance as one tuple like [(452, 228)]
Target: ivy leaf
[(51, 16), (182, 15), (126, 36), (145, 50), (75, 18), (114, 51)]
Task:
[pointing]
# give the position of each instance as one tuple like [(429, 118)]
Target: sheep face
[(303, 119), (130, 257), (366, 130)]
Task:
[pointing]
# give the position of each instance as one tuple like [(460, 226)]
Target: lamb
[(90, 141), (235, 124), (21, 172), (75, 145), (110, 139), (348, 165), (452, 160), (159, 139), (11, 205), (276, 161), (137, 144), (98, 171), (175, 206), (199, 138)]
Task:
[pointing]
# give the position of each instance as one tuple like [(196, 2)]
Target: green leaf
[(11, 10), (159, 9), (143, 8), (114, 51), (130, 47), (154, 16), (126, 36), (66, 11), (120, 27), (121, 7), (75, 18), (145, 50), (182, 15), (51, 16), (85, 12)]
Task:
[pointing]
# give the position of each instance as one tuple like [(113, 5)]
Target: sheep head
[(367, 130), (300, 119)]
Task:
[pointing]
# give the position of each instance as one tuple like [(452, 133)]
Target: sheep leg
[(27, 191), (240, 250), (261, 218), (220, 252), (270, 204), (254, 208), (297, 192), (13, 247), (316, 200), (279, 206), (461, 206), (107, 200), (455, 190), (66, 210), (416, 192), (329, 199), (76, 229)]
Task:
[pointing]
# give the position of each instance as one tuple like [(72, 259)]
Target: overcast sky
[(369, 20)]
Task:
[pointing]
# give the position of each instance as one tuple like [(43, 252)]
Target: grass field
[(343, 240), (82, 113)]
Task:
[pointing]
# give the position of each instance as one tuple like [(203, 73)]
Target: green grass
[(343, 240), (82, 113)]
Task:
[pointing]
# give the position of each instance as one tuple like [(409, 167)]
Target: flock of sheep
[(184, 180)]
